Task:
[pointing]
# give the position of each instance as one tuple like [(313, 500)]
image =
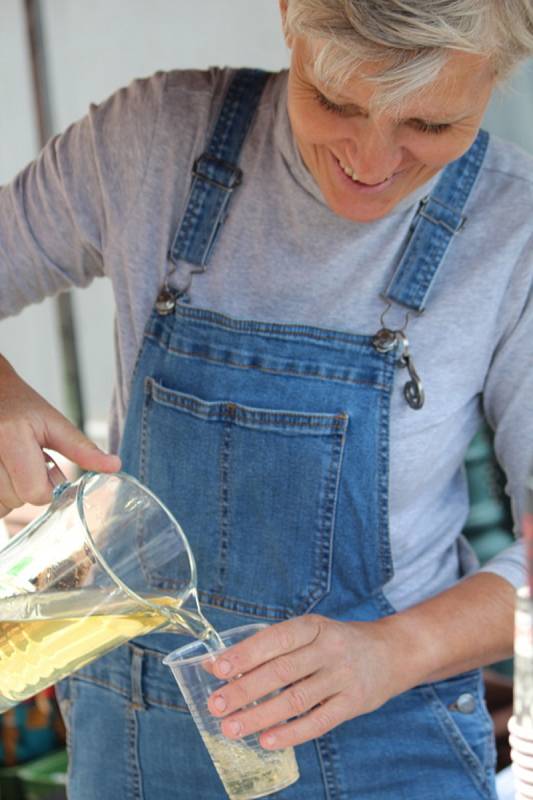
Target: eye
[(327, 104), (428, 127)]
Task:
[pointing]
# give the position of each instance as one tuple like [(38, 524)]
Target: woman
[(279, 387)]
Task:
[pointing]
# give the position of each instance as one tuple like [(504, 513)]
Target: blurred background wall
[(92, 48)]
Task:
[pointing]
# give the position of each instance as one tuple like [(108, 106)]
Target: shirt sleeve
[(508, 400), (59, 215)]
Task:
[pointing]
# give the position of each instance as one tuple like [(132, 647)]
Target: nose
[(373, 154)]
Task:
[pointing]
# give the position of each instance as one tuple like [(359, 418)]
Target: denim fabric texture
[(269, 443)]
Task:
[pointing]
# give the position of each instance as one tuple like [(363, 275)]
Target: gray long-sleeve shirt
[(104, 199)]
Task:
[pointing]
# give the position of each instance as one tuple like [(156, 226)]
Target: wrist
[(411, 650), (467, 626)]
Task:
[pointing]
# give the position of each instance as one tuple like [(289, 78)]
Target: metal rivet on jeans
[(465, 704)]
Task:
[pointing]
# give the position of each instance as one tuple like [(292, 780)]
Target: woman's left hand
[(327, 672)]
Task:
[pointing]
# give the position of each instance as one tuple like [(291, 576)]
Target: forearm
[(467, 626)]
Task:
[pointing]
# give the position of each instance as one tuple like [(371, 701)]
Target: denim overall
[(269, 443)]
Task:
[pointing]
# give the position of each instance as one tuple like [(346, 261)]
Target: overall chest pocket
[(255, 490)]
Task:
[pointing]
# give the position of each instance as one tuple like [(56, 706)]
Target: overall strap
[(215, 173), (439, 217)]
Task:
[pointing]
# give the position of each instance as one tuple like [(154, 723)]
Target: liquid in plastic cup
[(245, 768)]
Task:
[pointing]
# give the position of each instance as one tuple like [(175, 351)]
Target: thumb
[(63, 437)]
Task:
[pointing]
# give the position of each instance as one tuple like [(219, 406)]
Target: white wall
[(95, 47), (31, 338)]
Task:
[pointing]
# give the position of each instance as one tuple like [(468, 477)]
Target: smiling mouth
[(351, 174)]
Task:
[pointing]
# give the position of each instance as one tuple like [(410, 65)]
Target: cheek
[(311, 124), (436, 151)]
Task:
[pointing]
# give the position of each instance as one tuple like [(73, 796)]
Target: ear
[(283, 4)]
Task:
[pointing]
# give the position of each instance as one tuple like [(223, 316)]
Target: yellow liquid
[(249, 772), (44, 637)]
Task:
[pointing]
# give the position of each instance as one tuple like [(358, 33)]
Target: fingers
[(266, 645), (29, 424), (9, 499), (63, 436), (321, 670), (294, 702), (24, 465), (285, 670), (4, 510), (24, 474), (296, 656), (316, 723)]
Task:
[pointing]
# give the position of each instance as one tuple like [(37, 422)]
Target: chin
[(369, 213)]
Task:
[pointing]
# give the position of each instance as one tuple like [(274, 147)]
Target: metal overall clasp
[(166, 300), (386, 340)]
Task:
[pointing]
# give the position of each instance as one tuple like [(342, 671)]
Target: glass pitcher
[(84, 578)]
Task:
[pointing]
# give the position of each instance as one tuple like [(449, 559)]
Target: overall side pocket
[(469, 732)]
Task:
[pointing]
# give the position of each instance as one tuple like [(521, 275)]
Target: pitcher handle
[(55, 476)]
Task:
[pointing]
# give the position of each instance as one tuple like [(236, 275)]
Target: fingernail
[(234, 728), (223, 667), (269, 740), (219, 703)]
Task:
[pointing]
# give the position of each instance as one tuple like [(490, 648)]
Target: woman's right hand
[(28, 423)]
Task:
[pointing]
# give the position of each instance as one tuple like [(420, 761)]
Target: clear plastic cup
[(245, 768), (523, 760), (523, 732), (524, 746), (522, 780)]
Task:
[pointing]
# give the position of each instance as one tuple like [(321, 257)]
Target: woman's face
[(390, 153)]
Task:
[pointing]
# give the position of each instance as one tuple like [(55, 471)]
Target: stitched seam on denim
[(323, 551), (319, 585), (238, 414), (382, 474), (188, 246), (427, 246), (144, 429), (143, 467), (67, 702), (225, 452), (228, 603), (113, 687), (489, 754), (136, 676), (70, 733), (150, 699), (422, 263), (323, 768), (417, 292), (475, 769), (284, 335), (140, 353), (273, 329), (341, 442), (267, 371), (217, 219), (326, 758), (133, 767)]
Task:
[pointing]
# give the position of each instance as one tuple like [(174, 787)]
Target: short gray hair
[(413, 38)]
